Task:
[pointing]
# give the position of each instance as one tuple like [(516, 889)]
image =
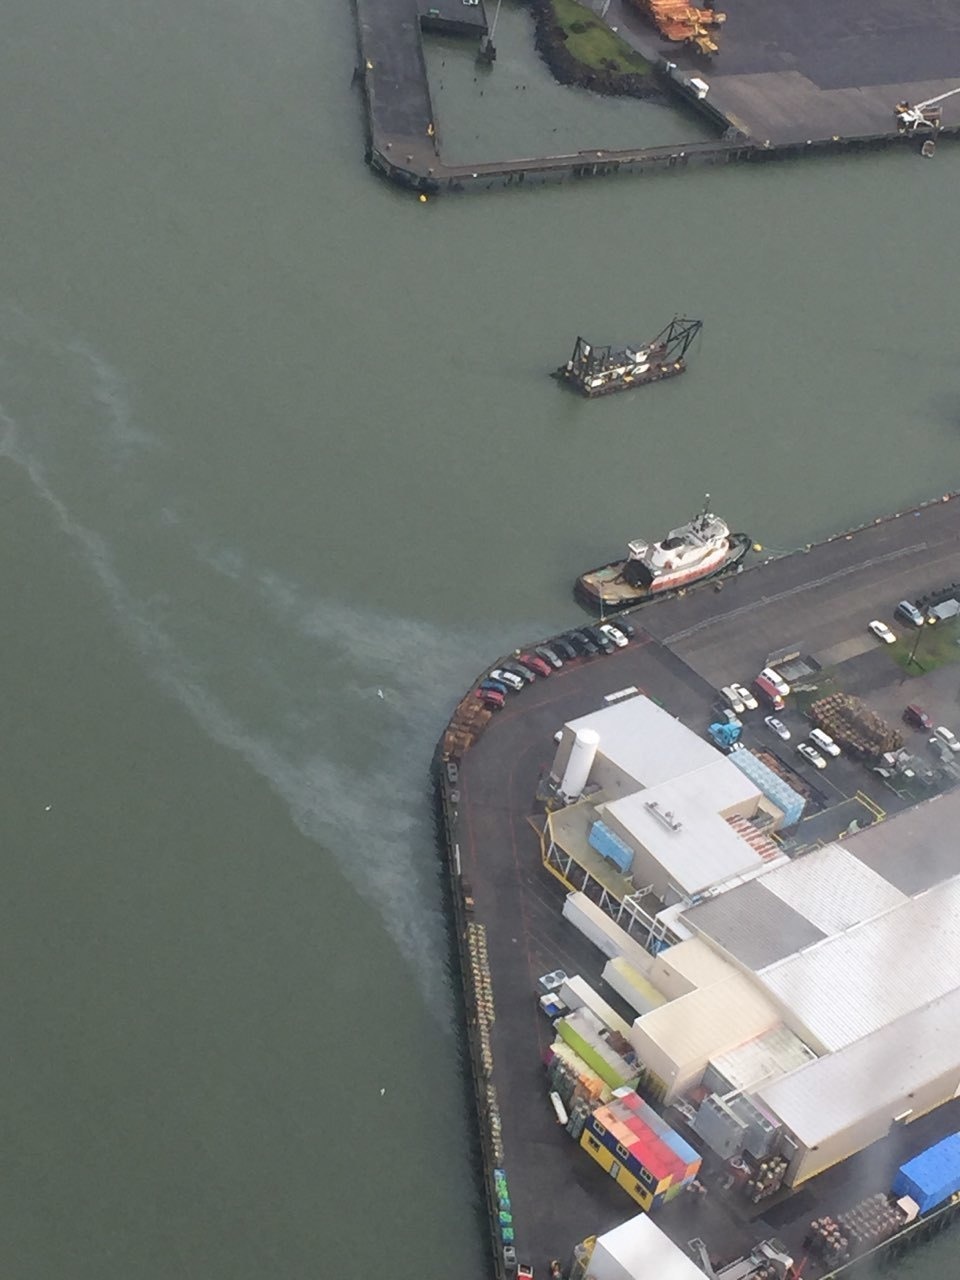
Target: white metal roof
[(698, 848), (710, 1020), (638, 1249), (765, 1058), (833, 889), (877, 1072), (648, 743), (850, 985)]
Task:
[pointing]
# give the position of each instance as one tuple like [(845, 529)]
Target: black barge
[(599, 371)]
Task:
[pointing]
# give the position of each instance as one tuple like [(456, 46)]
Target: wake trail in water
[(304, 663)]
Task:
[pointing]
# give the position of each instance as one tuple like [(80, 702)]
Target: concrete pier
[(778, 88)]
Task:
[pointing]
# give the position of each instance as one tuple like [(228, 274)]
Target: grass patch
[(812, 688), (936, 646), (592, 42)]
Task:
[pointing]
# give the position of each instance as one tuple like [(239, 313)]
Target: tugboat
[(703, 548), (596, 371)]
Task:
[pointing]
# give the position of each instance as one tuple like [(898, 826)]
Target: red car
[(536, 664), (490, 698), (917, 717)]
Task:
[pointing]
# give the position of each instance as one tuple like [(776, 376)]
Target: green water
[(277, 440)]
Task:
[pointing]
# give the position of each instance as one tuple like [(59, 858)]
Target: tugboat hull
[(607, 588)]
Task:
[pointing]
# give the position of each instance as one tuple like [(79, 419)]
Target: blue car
[(495, 686)]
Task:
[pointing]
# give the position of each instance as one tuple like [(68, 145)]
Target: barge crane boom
[(595, 371), (925, 115), (678, 336)]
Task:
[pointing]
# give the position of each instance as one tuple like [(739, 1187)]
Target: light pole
[(916, 644)]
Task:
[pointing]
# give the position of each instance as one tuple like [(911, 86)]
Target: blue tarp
[(610, 846), (931, 1177)]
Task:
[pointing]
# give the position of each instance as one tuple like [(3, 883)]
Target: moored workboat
[(703, 548)]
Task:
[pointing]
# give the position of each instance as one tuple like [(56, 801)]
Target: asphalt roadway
[(818, 602), (816, 69)]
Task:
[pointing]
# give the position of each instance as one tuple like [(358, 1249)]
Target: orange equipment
[(679, 21)]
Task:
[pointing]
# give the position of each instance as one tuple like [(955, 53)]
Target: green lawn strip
[(592, 42), (812, 688), (934, 647)]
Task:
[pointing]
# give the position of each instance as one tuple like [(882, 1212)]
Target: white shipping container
[(633, 987), (589, 1028), (604, 933), (576, 993)]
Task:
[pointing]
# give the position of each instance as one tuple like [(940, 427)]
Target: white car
[(745, 696), (736, 704), (777, 680), (778, 727), (947, 737), (882, 631), (508, 678), (611, 632), (812, 755), (824, 742)]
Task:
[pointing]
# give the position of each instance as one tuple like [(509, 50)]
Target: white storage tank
[(582, 755)]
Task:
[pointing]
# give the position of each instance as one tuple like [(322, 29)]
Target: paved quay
[(814, 599), (816, 70), (822, 599), (818, 76)]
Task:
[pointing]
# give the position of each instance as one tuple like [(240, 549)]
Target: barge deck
[(488, 831)]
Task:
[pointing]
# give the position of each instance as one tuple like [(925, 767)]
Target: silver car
[(778, 727), (811, 755)]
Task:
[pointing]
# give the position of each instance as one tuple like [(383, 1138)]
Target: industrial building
[(814, 1005), (651, 816)]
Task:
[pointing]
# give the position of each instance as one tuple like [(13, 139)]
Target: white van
[(824, 742), (776, 680)]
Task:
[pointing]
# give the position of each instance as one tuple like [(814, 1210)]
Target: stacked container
[(584, 1033), (771, 785), (637, 1147), (931, 1177), (572, 1078)]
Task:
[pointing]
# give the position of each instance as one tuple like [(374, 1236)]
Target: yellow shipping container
[(624, 1178)]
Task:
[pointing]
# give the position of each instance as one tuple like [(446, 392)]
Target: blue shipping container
[(931, 1177), (610, 846)]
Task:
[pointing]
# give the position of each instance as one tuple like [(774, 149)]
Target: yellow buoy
[(423, 198), (757, 546)]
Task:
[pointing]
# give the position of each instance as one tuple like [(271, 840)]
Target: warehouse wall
[(676, 1041), (840, 1146)]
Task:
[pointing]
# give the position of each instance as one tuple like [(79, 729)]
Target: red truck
[(767, 693)]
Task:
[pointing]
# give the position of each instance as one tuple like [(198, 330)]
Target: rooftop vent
[(666, 817)]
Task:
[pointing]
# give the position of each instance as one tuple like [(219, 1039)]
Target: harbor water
[(281, 468)]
